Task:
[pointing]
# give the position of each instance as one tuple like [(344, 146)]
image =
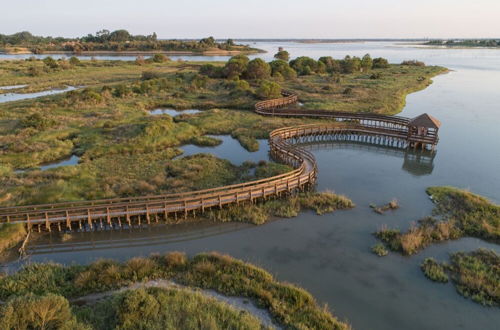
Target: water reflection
[(415, 162), (10, 97)]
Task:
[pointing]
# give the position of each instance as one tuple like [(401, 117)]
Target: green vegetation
[(11, 235), (477, 275), (434, 271), (461, 214), (123, 151), (321, 203), (380, 250), (466, 43), (157, 308), (392, 205), (115, 41), (290, 306)]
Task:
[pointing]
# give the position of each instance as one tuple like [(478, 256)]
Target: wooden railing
[(283, 147)]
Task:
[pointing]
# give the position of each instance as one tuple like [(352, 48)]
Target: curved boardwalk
[(284, 146)]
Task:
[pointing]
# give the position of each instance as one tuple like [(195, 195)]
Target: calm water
[(229, 149), (173, 112), (9, 97), (330, 255)]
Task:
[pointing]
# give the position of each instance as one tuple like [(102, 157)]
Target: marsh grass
[(434, 271), (380, 250), (460, 214), (289, 305), (476, 275), (258, 214), (11, 235)]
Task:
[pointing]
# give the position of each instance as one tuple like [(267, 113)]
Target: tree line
[(105, 40)]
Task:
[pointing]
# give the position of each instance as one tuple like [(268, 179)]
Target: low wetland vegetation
[(125, 152), (45, 291), (476, 274), (458, 213)]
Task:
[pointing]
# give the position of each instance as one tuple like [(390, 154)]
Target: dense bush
[(212, 71), (159, 58), (268, 90), (236, 66), (380, 63), (147, 75), (280, 68), (37, 121), (257, 69), (305, 66), (282, 55), (413, 63)]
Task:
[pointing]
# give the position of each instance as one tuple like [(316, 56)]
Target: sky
[(256, 18)]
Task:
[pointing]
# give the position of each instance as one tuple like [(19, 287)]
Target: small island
[(119, 42), (465, 43)]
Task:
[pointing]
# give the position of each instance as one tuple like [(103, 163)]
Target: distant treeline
[(465, 43), (119, 40)]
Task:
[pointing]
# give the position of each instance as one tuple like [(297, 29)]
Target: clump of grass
[(11, 235), (325, 202), (477, 275), (392, 205), (419, 236), (380, 250), (320, 202), (461, 214), (434, 271)]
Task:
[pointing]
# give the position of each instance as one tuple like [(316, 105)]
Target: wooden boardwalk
[(284, 147)]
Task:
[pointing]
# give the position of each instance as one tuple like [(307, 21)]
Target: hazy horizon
[(280, 19)]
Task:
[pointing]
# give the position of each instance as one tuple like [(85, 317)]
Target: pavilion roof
[(425, 120)]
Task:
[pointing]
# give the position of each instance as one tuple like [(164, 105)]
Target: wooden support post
[(129, 221), (47, 223), (108, 216), (29, 222), (185, 210), (148, 219), (89, 219), (165, 212), (68, 221), (8, 219), (220, 202), (59, 226)]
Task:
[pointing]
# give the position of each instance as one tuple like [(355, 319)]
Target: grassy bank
[(11, 235), (458, 213), (476, 275), (289, 305), (320, 202)]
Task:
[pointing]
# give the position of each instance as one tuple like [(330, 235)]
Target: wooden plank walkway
[(283, 142)]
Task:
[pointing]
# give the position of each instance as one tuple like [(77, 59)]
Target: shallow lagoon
[(330, 255)]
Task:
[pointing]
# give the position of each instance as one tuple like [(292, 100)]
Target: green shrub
[(434, 271), (380, 250), (160, 58), (268, 90), (148, 75)]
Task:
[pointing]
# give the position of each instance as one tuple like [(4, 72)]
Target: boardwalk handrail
[(282, 148)]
